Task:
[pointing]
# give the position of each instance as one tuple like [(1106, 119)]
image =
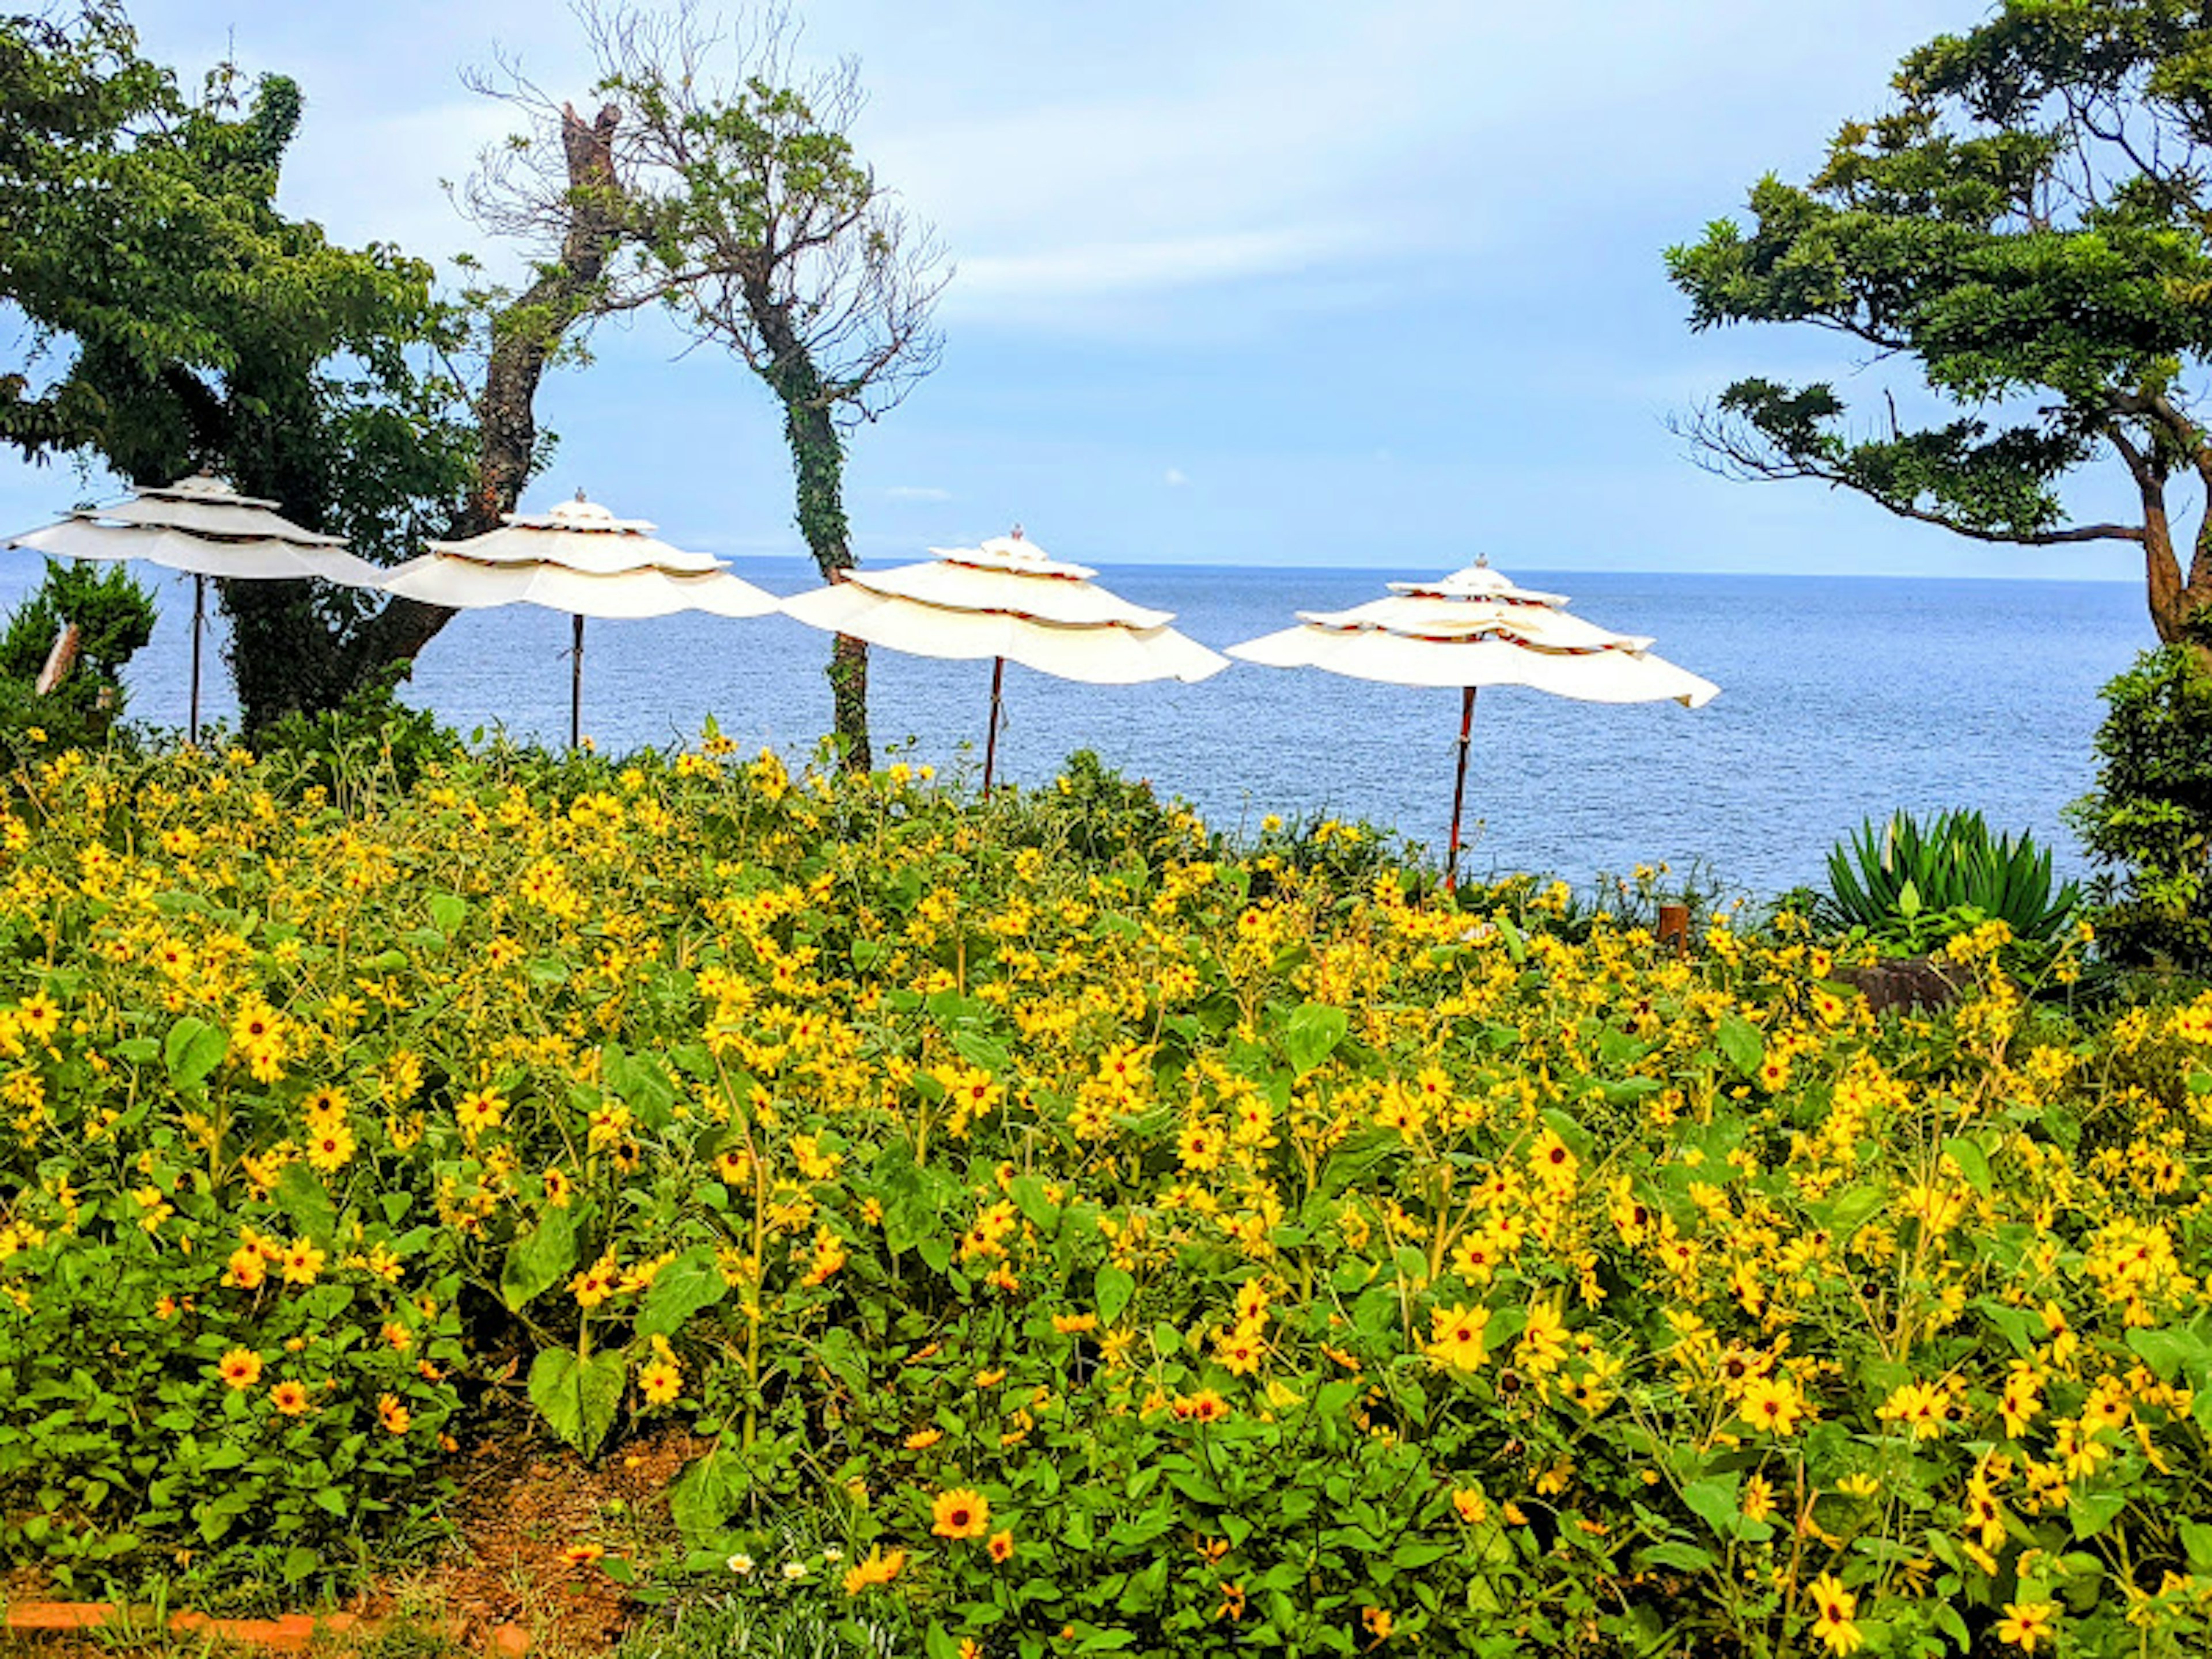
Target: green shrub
[(1913, 887), (113, 617), (2149, 822), (370, 738)]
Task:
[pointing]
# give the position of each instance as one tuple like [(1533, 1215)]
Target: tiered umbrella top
[(1010, 598), (578, 558), (1010, 576), (203, 526), (1476, 627)]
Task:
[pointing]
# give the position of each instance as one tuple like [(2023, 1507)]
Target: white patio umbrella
[(1471, 630), (1008, 600), (201, 525), (581, 559)]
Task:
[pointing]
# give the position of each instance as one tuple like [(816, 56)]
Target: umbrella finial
[(1018, 532), (1482, 560), (580, 492)]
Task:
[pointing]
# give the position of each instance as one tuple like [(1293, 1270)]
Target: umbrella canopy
[(1473, 628), (1011, 601), (203, 526), (581, 559)]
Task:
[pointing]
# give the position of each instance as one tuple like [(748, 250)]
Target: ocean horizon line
[(1408, 571)]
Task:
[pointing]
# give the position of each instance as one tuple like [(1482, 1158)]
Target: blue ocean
[(1841, 697)]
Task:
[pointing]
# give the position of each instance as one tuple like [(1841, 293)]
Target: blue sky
[(1238, 283)]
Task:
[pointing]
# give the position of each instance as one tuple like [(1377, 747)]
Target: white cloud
[(1105, 267), (1176, 477)]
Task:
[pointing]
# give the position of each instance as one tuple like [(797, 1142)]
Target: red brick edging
[(290, 1634)]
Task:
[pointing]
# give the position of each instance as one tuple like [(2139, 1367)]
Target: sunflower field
[(1067, 1234)]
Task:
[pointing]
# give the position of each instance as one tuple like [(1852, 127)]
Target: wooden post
[(1458, 789), (1675, 928), (199, 617), (59, 660), (576, 685), (991, 743)]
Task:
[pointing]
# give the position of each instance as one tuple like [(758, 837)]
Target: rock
[(1902, 982)]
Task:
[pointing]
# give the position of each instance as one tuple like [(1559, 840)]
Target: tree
[(2027, 230), (2148, 820), (106, 616), (179, 319), (747, 214)]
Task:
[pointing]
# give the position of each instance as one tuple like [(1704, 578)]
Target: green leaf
[(1313, 1031), (2197, 1541), (1115, 1287), (1413, 1554), (1853, 1207), (1517, 947), (1974, 1163), (844, 1359), (708, 1493), (983, 1053), (578, 1397), (1030, 1196), (2091, 1512), (1741, 1042), (300, 1195), (693, 1281), (2184, 1351), (194, 1049), (447, 911), (541, 1258), (1713, 1500), (1683, 1557)]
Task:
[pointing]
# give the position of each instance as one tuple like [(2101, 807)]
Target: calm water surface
[(1840, 697)]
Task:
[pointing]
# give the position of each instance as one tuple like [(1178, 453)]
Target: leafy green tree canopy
[(2027, 229), (178, 319)]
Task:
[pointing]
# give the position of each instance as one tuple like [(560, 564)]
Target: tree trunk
[(528, 330), (284, 655), (524, 336), (817, 461), (2181, 611)]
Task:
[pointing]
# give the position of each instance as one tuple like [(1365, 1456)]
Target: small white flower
[(741, 1563), (794, 1571), (833, 1555)]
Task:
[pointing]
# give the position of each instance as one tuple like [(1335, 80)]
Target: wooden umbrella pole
[(199, 616), (576, 686), (991, 743), (1458, 789)]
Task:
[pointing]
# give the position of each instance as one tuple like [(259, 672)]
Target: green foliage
[(2148, 820), (113, 617), (1041, 1243), (1913, 887), (370, 740), (708, 1627), (1314, 846), (1094, 813), (177, 319), (122, 1436)]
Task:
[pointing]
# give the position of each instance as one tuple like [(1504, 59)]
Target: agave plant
[(1885, 879)]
